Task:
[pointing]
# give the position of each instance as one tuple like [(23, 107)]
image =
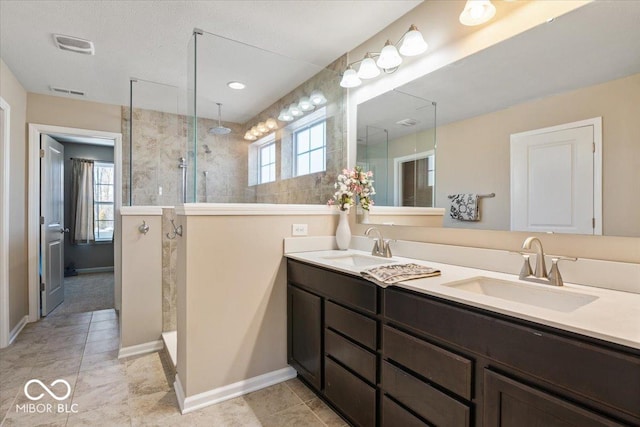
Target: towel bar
[(451, 196)]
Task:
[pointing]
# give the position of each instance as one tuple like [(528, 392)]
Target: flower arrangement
[(351, 183)]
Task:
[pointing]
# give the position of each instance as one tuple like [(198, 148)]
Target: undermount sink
[(357, 260), (552, 298)]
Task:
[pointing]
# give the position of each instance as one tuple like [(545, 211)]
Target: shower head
[(219, 130)]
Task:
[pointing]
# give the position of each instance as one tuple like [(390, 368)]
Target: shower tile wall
[(315, 188), (160, 139)]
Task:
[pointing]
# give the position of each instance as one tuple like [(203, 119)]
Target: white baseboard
[(18, 328), (134, 350), (220, 394), (94, 270)]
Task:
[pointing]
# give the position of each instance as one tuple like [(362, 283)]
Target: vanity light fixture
[(317, 98), (477, 12), (305, 104), (285, 115), (388, 59), (350, 78), (236, 85), (296, 109)]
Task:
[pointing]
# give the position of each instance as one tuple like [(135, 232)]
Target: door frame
[(596, 122), (33, 204), (397, 179), (5, 143)]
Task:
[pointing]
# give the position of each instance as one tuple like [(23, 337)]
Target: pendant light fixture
[(388, 59), (477, 12)]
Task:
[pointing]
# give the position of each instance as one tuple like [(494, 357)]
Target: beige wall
[(232, 296), (141, 309), (14, 94), (59, 111), (448, 51), (473, 154)]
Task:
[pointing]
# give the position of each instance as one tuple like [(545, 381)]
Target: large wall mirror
[(519, 120)]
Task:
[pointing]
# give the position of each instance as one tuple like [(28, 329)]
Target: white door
[(52, 227), (553, 180)]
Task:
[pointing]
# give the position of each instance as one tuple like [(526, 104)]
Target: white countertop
[(614, 316)]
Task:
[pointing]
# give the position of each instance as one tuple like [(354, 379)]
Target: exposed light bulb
[(255, 131), (262, 127), (368, 68), (413, 43), (350, 79), (249, 136), (389, 57), (477, 12)]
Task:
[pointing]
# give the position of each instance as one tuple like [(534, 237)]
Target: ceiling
[(149, 40), (593, 44)]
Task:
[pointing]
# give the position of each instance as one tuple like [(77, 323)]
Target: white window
[(267, 171), (103, 198), (310, 144)]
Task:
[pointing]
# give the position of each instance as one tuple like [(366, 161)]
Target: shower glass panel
[(228, 128), (396, 137), (157, 132)]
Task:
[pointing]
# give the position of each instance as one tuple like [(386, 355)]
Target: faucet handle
[(526, 270), (554, 274)]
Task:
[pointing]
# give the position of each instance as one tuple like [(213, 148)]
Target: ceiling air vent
[(407, 122), (67, 91), (74, 44)]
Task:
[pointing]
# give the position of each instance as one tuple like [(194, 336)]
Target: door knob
[(64, 230)]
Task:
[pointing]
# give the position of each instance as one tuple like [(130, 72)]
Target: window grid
[(103, 201), (310, 149), (267, 169)]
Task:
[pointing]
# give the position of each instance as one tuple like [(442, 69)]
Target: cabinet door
[(305, 334), (509, 403)]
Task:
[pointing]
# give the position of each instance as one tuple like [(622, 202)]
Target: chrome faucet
[(381, 246), (540, 274)]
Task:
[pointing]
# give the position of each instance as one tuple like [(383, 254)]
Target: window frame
[(97, 203), (322, 121), (273, 163)]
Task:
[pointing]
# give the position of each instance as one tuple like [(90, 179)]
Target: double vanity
[(467, 348)]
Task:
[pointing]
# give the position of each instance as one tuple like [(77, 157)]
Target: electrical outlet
[(299, 229)]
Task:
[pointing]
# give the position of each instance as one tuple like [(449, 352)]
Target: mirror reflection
[(497, 108)]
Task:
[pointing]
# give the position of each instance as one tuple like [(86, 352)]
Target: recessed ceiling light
[(236, 85)]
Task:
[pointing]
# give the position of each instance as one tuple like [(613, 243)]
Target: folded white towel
[(464, 207), (389, 274)]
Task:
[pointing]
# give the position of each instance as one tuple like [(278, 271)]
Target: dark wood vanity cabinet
[(508, 372), (396, 358), (333, 330)]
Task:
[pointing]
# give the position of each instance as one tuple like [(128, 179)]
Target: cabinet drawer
[(434, 363), (346, 289), (511, 403), (351, 324), (393, 415), (582, 369), (351, 395), (351, 355), (435, 406)]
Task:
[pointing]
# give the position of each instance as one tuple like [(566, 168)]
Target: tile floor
[(82, 348)]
